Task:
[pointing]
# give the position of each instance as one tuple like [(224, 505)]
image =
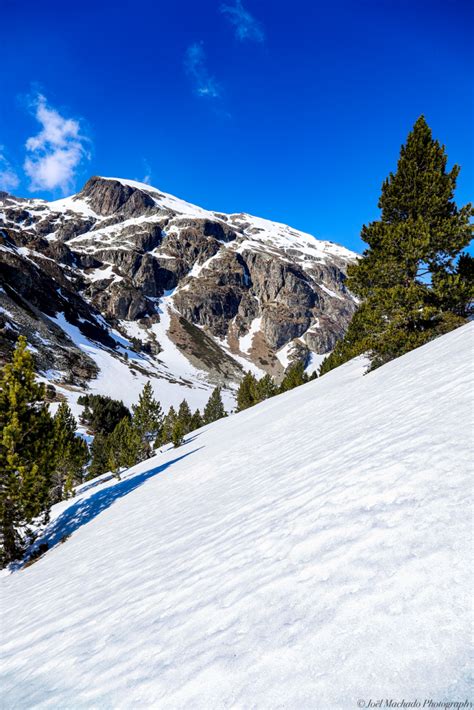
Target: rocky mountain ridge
[(167, 289)]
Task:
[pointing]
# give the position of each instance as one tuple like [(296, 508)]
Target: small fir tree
[(99, 455), (177, 435), (294, 377), (247, 394), (214, 408), (266, 388), (196, 420), (185, 417)]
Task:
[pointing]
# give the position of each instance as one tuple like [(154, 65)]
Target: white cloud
[(147, 177), (195, 66), (245, 25), (9, 180), (55, 153)]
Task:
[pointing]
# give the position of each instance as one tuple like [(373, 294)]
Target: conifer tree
[(99, 455), (177, 435), (411, 280), (185, 417), (27, 455), (196, 420), (247, 394), (214, 408), (266, 388), (100, 413), (124, 446), (294, 377), (147, 418), (71, 453), (165, 435)]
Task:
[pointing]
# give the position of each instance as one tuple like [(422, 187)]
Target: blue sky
[(291, 111)]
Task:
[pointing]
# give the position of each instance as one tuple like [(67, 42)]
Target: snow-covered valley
[(310, 552)]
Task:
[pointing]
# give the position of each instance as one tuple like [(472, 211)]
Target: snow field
[(308, 552)]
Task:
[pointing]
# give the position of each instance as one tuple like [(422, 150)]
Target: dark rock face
[(30, 296), (220, 231), (121, 301), (248, 310), (213, 309), (229, 274), (190, 246), (213, 299), (74, 228), (108, 197), (281, 324)]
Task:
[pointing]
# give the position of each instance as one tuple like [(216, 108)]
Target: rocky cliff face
[(128, 270)]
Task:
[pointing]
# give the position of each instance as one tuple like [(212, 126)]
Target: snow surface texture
[(306, 553)]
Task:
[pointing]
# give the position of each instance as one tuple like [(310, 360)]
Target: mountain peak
[(107, 197)]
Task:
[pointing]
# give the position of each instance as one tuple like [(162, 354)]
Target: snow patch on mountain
[(171, 375), (245, 342)]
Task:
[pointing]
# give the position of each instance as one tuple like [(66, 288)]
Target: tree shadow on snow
[(85, 510)]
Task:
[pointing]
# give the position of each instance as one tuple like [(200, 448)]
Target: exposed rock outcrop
[(109, 197)]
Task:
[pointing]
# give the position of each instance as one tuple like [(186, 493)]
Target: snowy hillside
[(307, 553)]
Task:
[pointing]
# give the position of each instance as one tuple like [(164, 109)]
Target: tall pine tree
[(185, 417), (124, 447), (99, 455), (412, 283), (27, 455), (165, 435), (72, 455), (147, 418), (214, 408)]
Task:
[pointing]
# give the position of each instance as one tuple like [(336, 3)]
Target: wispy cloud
[(147, 177), (246, 26), (195, 66), (9, 180), (56, 152)]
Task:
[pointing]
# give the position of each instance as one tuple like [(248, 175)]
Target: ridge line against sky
[(296, 117)]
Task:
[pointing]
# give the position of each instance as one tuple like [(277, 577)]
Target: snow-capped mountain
[(122, 278), (273, 561)]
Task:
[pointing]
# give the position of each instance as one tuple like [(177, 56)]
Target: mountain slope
[(308, 552), (186, 296)]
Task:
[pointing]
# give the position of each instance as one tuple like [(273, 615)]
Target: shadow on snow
[(85, 510)]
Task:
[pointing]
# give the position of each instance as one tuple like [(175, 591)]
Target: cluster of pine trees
[(413, 280), (252, 391), (41, 458), (123, 441)]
